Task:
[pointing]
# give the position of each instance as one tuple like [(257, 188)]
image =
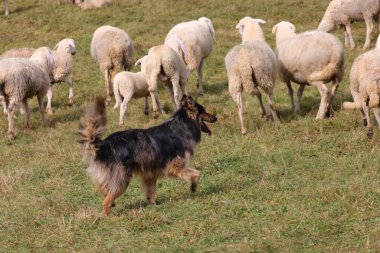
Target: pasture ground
[(301, 186)]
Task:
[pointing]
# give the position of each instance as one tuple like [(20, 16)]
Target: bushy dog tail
[(92, 126)]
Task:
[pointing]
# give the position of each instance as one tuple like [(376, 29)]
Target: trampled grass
[(302, 186)]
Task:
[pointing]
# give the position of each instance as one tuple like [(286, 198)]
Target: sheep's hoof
[(109, 101), (49, 111), (200, 94), (193, 187), (27, 126), (244, 131), (156, 115), (70, 102), (146, 112), (115, 107), (365, 122), (370, 133), (11, 135)]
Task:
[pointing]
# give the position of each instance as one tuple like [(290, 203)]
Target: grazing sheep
[(23, 78), (62, 54), (310, 58), (6, 8), (193, 40), (364, 86), (344, 12), (251, 65), (112, 49), (166, 65), (128, 85), (89, 4)]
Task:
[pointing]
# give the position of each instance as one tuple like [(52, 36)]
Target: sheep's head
[(68, 45), (43, 57), (208, 22), (249, 28), (142, 61), (283, 30)]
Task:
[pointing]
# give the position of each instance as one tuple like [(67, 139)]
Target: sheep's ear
[(240, 26), (292, 27), (274, 29), (260, 21), (50, 61), (56, 46), (138, 62)]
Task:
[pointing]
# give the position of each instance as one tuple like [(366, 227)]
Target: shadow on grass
[(215, 88)]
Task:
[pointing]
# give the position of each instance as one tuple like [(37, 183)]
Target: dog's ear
[(190, 101)]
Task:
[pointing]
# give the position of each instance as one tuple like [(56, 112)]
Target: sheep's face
[(68, 45)]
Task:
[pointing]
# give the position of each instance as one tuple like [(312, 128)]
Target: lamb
[(310, 58), (166, 65), (112, 49), (344, 12), (364, 86), (62, 54), (251, 65), (130, 85), (23, 78), (6, 8), (193, 40), (89, 4)]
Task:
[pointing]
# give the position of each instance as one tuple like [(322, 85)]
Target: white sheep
[(251, 65), (6, 8), (89, 4), (165, 65), (364, 86), (112, 50), (310, 58), (193, 40), (128, 85), (344, 12), (62, 54), (23, 78)]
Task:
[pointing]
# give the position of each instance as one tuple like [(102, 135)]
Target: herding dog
[(159, 151)]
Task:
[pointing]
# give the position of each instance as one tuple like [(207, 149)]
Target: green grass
[(302, 186)]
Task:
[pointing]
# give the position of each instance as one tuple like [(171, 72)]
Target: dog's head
[(198, 113)]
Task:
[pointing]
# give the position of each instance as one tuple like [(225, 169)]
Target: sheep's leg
[(369, 126), (27, 113), (69, 82), (272, 108), (123, 108), (261, 105), (156, 105), (200, 78), (49, 97), (334, 89), (11, 128), (107, 83), (177, 92), (346, 38), (363, 116), (115, 70), (171, 92), (349, 34), (6, 7), (369, 26), (290, 89), (325, 94), (5, 107), (239, 101), (40, 99), (376, 111), (146, 106), (299, 97)]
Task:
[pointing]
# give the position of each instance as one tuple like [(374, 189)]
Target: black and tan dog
[(159, 151)]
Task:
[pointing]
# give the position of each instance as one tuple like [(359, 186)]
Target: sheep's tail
[(334, 68), (116, 93), (92, 126)]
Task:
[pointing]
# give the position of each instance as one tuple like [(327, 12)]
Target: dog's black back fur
[(152, 148)]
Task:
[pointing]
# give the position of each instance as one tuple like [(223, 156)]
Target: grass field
[(301, 186)]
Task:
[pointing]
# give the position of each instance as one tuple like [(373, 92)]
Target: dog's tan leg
[(189, 175), (109, 200), (149, 185)]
